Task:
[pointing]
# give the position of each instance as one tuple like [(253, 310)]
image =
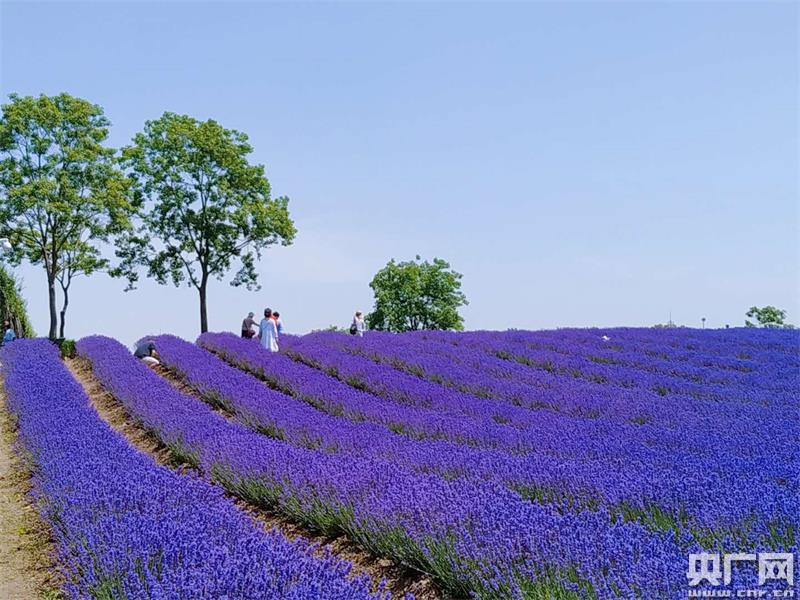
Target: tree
[(12, 305), (202, 206), (60, 186), (416, 295), (769, 316)]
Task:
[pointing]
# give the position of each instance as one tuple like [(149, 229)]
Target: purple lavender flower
[(127, 528)]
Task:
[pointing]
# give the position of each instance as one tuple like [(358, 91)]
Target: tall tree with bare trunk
[(203, 207)]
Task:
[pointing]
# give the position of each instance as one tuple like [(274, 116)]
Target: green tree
[(203, 205), (59, 184), (12, 305), (417, 295), (768, 316)]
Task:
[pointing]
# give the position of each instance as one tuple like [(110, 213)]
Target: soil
[(398, 579)]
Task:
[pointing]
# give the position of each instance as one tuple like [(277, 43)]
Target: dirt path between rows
[(26, 564), (399, 580)]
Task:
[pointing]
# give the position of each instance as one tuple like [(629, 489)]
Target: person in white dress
[(268, 332), (357, 327)]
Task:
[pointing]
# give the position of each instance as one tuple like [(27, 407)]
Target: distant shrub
[(67, 348), (331, 328), (12, 305)]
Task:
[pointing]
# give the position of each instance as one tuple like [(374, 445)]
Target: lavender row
[(678, 423), (405, 388), (338, 398), (545, 434), (574, 461), (517, 346), (475, 538), (346, 394), (474, 371), (125, 527), (768, 366), (531, 429), (772, 370), (675, 458), (573, 483), (609, 373), (730, 346)]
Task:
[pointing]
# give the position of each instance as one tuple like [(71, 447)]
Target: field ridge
[(399, 580)]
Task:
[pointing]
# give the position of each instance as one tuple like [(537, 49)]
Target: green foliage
[(67, 348), (202, 206), (769, 316), (12, 306), (417, 295), (61, 187), (332, 329)]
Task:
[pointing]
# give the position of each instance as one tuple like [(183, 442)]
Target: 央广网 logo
[(716, 570)]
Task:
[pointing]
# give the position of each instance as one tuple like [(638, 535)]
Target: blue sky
[(580, 163)]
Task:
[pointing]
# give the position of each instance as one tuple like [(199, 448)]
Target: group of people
[(269, 329)]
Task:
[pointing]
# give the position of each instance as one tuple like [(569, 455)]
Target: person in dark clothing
[(247, 326), (146, 351)]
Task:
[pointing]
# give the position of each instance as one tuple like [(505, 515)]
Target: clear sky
[(580, 163)]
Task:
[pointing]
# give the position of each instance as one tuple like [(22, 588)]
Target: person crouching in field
[(268, 331), (247, 326), (9, 335), (146, 351)]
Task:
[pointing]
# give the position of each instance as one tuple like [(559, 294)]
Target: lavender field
[(575, 463)]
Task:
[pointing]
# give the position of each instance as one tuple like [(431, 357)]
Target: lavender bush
[(127, 528), (473, 537), (662, 471)]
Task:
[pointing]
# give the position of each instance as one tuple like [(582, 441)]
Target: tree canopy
[(768, 316), (61, 186), (203, 205), (417, 295)]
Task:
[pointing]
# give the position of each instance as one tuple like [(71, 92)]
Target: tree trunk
[(203, 309), (5, 311), (51, 291), (16, 324), (63, 312)]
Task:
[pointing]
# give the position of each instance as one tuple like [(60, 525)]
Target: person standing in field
[(357, 327), (268, 332), (278, 323), (247, 326)]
